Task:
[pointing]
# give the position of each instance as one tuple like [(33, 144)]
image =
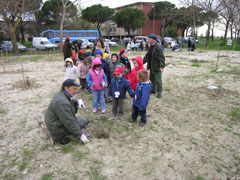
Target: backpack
[(82, 54)]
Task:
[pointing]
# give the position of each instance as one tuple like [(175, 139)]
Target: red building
[(151, 26)]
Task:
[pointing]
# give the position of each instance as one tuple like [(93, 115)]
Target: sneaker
[(103, 111), (141, 123), (94, 110), (132, 121)]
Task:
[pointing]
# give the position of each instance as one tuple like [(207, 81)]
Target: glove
[(81, 104), (84, 139)]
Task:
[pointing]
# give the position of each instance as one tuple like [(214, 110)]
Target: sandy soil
[(192, 132)]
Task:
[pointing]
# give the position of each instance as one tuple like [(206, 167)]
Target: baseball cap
[(118, 70), (67, 38), (153, 36), (123, 51), (70, 82)]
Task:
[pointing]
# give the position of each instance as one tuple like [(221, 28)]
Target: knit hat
[(69, 60), (98, 51), (67, 38), (105, 55), (153, 36), (122, 52)]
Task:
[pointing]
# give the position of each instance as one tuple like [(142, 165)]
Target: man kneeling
[(60, 116)]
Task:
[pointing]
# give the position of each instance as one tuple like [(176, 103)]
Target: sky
[(117, 3)]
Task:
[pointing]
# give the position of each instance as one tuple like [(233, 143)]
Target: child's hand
[(105, 85)]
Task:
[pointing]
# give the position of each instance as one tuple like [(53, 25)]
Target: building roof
[(136, 3)]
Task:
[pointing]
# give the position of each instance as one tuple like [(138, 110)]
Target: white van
[(42, 43)]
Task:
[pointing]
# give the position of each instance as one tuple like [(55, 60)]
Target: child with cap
[(141, 98), (97, 80), (83, 69), (106, 57), (124, 59), (115, 62), (117, 89), (138, 65), (71, 71)]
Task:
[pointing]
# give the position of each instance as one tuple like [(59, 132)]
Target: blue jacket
[(105, 67), (142, 95), (121, 85)]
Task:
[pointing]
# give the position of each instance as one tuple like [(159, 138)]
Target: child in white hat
[(71, 71)]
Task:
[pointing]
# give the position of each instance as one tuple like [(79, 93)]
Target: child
[(141, 98), (106, 57), (71, 70), (88, 51), (117, 90), (138, 65), (115, 62), (83, 69), (97, 80), (124, 59)]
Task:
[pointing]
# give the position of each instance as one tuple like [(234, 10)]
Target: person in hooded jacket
[(124, 60), (97, 80), (141, 98), (138, 65), (115, 62), (67, 48)]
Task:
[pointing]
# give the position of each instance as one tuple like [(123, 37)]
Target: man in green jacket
[(155, 62), (60, 116)]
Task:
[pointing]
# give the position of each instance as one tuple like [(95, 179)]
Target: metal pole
[(153, 17)]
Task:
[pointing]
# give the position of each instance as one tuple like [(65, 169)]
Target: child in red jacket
[(138, 65)]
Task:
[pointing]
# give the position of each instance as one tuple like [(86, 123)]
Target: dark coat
[(157, 60), (60, 116), (121, 86), (67, 49)]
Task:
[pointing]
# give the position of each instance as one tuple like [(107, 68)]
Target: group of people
[(108, 80)]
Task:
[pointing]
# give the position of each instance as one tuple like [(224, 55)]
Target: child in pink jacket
[(83, 69)]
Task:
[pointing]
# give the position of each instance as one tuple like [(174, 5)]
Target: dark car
[(115, 39), (7, 46)]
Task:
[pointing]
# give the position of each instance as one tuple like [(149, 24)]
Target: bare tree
[(212, 8), (11, 11), (66, 4)]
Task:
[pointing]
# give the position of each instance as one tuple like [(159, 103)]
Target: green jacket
[(157, 60), (60, 116)]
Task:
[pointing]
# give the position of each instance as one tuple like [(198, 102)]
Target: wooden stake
[(44, 129)]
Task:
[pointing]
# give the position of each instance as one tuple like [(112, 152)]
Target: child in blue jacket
[(141, 98), (117, 89)]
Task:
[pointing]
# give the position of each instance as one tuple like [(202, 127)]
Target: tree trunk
[(22, 30), (231, 28), (208, 33), (61, 26), (225, 34), (14, 42), (212, 35)]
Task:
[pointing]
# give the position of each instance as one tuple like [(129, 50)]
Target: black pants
[(117, 106), (136, 112)]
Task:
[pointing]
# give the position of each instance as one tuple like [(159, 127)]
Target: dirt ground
[(192, 132)]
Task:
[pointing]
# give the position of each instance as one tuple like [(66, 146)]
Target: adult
[(155, 62), (100, 45), (60, 116), (67, 48), (77, 46), (189, 44)]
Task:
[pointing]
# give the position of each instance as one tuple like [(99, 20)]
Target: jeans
[(98, 97), (136, 111)]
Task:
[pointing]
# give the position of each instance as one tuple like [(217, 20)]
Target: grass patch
[(47, 176), (35, 58), (235, 114), (3, 111), (196, 65), (96, 174), (200, 178), (26, 155), (67, 149)]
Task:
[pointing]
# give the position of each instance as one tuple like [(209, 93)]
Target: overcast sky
[(117, 3)]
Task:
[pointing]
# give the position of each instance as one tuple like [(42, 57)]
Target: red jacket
[(133, 79)]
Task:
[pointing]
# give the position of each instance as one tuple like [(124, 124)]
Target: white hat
[(69, 60)]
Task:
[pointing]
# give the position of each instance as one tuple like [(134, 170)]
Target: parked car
[(168, 40), (7, 46), (86, 43), (42, 43), (115, 39), (111, 43), (141, 38)]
